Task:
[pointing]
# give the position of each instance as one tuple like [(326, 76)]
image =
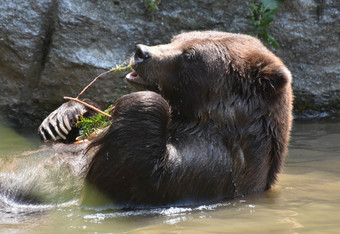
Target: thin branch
[(87, 105), (119, 68), (104, 73)]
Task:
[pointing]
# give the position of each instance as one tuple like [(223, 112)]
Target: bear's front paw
[(60, 122)]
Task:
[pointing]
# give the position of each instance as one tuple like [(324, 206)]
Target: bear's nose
[(142, 54)]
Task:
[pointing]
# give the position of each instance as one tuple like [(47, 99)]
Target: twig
[(119, 68), (87, 105), (104, 73)]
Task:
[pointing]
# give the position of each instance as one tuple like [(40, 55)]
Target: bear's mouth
[(134, 78), (140, 83)]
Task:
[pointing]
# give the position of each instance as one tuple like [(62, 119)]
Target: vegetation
[(262, 14), (98, 122), (94, 124), (121, 68), (152, 5)]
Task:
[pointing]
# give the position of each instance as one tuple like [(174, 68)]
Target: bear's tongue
[(134, 78)]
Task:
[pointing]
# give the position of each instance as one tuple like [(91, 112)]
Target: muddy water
[(305, 200)]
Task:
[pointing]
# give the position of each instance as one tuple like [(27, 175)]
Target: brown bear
[(214, 124)]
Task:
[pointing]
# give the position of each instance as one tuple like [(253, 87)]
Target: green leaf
[(270, 40), (271, 4), (273, 42), (255, 5), (268, 17), (152, 5), (94, 123)]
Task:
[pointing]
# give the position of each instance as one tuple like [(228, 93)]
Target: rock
[(309, 35), (22, 39), (54, 48)]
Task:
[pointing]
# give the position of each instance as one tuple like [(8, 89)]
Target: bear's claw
[(60, 122)]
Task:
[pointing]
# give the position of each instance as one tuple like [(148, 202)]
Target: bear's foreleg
[(128, 161)]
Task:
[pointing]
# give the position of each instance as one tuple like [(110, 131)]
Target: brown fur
[(218, 127)]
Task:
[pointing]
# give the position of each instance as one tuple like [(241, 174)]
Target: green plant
[(152, 5), (93, 124), (122, 67), (101, 120), (262, 14)]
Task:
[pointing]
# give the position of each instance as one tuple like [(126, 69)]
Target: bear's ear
[(189, 54), (272, 78)]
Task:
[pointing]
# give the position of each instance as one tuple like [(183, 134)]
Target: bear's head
[(204, 74)]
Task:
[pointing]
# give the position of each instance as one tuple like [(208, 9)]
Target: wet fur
[(217, 129)]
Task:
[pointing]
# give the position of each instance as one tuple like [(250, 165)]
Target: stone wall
[(53, 48)]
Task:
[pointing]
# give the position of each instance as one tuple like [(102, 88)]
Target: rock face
[(309, 35), (53, 48)]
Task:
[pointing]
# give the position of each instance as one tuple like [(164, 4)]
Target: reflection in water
[(306, 198)]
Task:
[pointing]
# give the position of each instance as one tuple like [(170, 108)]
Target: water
[(305, 200)]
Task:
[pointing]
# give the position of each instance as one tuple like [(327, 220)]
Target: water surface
[(306, 198)]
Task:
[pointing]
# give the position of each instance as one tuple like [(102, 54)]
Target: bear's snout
[(142, 54)]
